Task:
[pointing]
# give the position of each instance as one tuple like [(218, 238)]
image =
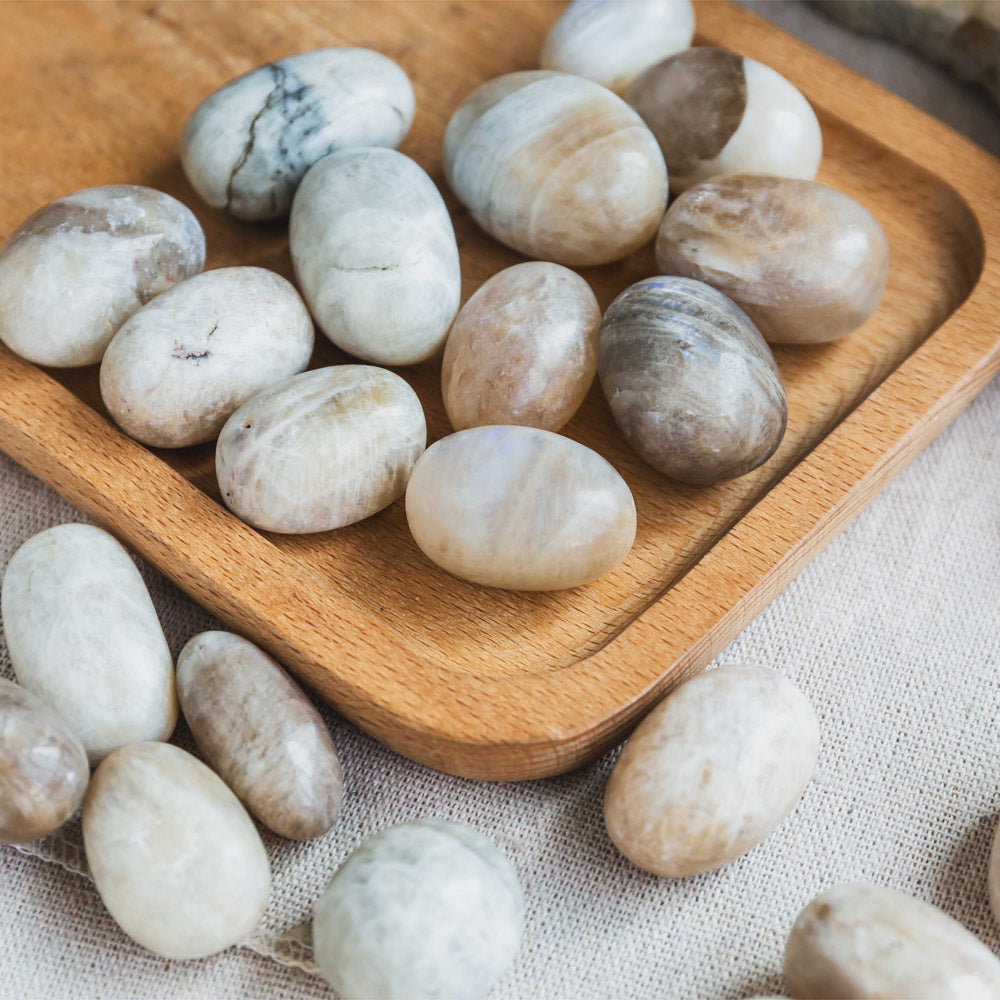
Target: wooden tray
[(474, 681)]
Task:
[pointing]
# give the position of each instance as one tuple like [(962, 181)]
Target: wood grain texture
[(473, 681)]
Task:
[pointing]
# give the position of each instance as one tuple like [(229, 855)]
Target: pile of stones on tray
[(558, 166)]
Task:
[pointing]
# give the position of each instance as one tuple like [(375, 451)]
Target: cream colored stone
[(612, 41), (557, 167), (260, 734), (711, 771), (320, 450), (178, 368), (519, 508), (855, 942), (523, 349), (176, 859), (84, 637), (375, 255)]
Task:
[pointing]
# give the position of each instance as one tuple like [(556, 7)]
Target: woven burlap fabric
[(892, 632)]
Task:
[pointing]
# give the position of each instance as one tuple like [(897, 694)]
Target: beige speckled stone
[(557, 167), (43, 767), (862, 942), (260, 733), (523, 350), (176, 859), (711, 771)]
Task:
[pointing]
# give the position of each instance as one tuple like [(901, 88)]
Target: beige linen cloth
[(893, 632)]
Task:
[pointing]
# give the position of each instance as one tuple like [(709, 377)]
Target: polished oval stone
[(106, 250), (806, 263), (321, 450), (523, 349), (714, 112), (993, 875), (84, 637), (859, 941), (175, 371), (611, 43), (260, 734), (43, 767), (519, 508), (375, 255), (557, 167), (176, 859), (711, 771), (690, 381), (246, 147), (421, 911)]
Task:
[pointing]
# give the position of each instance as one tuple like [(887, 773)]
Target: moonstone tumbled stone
[(690, 381), (523, 349), (73, 272), (421, 911), (805, 262), (556, 167), (175, 858), (320, 450), (612, 41), (714, 112), (246, 147), (84, 637), (519, 508), (260, 733), (854, 942), (178, 368), (711, 771), (375, 255), (43, 767)]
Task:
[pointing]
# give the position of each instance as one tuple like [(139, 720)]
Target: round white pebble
[(426, 909)]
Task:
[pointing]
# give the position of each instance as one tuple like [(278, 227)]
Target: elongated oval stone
[(690, 381), (176, 859), (246, 147), (260, 734), (806, 263), (519, 508), (175, 371), (73, 272), (43, 767), (375, 255), (422, 910), (522, 350), (857, 941), (711, 771), (84, 637), (320, 450), (714, 112), (557, 167)]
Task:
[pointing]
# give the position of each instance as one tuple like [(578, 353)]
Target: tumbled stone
[(73, 272), (523, 349), (711, 771), (43, 767), (176, 859), (611, 43), (858, 941), (557, 167), (320, 450), (690, 381), (375, 255), (806, 263), (260, 734), (424, 910), (173, 373), (84, 637), (519, 508), (714, 112), (246, 147)]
